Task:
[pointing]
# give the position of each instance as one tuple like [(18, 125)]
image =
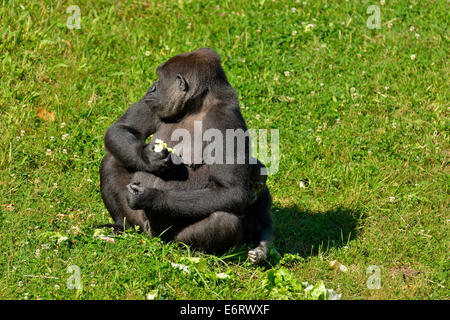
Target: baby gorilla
[(212, 206)]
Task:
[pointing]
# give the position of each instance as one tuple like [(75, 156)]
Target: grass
[(363, 115)]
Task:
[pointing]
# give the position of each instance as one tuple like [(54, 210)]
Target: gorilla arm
[(125, 139), (227, 191)]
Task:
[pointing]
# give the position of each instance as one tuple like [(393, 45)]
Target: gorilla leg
[(260, 224), (113, 180), (217, 233)]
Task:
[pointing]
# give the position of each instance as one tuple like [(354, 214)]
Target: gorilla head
[(185, 79)]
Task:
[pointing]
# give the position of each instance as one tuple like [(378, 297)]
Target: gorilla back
[(211, 206)]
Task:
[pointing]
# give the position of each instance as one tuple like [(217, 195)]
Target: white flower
[(308, 27), (63, 124), (318, 139), (48, 152), (151, 296), (159, 145), (147, 53), (294, 32), (293, 9), (222, 275), (64, 136), (411, 28), (107, 239), (287, 73), (391, 199), (333, 295), (394, 125), (336, 265), (413, 57), (180, 266)]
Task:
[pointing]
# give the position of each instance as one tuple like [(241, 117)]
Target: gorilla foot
[(257, 255), (134, 195)]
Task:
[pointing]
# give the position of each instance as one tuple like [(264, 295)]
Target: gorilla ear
[(182, 83)]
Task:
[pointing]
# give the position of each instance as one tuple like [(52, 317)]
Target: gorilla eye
[(153, 88)]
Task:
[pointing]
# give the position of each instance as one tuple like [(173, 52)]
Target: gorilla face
[(172, 90), (152, 97), (185, 78)]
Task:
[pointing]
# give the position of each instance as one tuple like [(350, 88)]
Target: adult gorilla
[(210, 206)]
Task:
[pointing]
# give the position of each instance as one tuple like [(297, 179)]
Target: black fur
[(212, 207)]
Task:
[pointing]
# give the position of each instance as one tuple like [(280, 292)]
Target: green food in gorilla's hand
[(161, 145)]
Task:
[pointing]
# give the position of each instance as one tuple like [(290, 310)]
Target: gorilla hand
[(139, 197), (158, 162)]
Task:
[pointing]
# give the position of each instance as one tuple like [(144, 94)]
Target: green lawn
[(363, 115)]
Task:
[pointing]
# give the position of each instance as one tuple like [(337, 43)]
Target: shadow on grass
[(305, 233), (308, 233)]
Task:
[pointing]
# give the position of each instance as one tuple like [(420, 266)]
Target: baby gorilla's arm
[(227, 191), (187, 204), (125, 139)]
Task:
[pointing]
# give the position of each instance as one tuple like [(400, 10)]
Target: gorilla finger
[(166, 161), (164, 153)]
